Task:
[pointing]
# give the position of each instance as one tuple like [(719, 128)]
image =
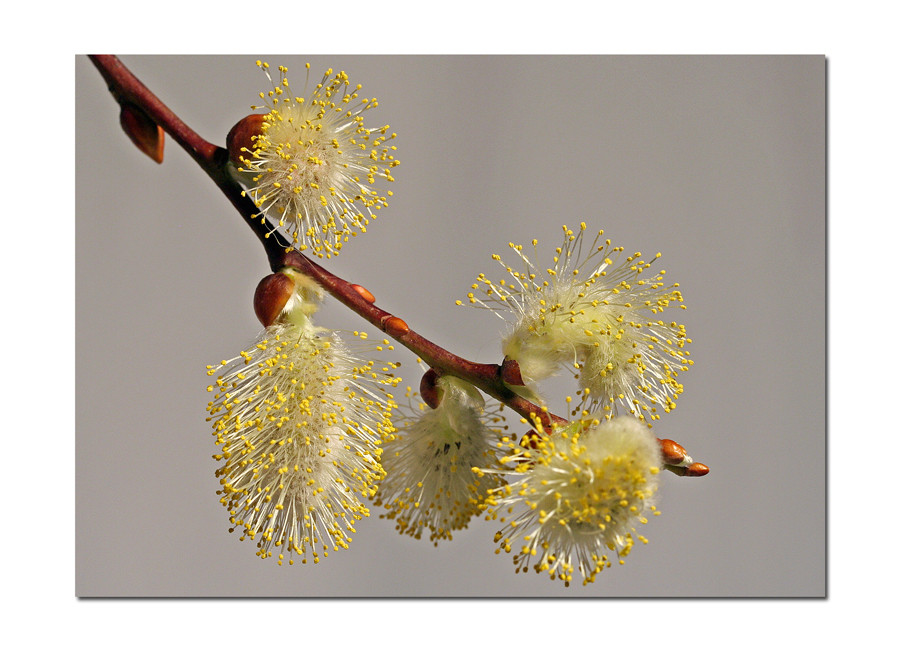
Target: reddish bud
[(672, 452), (272, 294), (696, 470), (143, 132), (365, 293), (395, 326), (510, 372), (428, 389), (241, 140)]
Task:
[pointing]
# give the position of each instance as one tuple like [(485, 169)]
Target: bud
[(530, 440), (143, 132), (510, 372), (395, 326), (429, 390), (697, 470), (673, 453), (241, 140), (272, 294), (367, 296)]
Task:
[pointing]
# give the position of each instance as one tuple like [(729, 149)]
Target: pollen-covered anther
[(241, 140), (271, 295)]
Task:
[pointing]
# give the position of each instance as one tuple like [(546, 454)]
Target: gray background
[(717, 162)]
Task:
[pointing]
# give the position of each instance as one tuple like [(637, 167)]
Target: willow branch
[(128, 89), (130, 92)]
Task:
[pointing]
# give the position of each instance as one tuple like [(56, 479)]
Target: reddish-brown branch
[(484, 376), (129, 90)]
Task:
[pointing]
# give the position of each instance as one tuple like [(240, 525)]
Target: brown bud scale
[(511, 373), (365, 293), (530, 440), (242, 137), (146, 135), (428, 389), (672, 452), (272, 294), (697, 470), (395, 326)]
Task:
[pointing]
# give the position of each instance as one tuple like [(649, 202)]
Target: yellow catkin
[(596, 313), (300, 423), (314, 166), (576, 495)]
